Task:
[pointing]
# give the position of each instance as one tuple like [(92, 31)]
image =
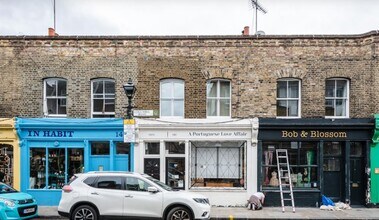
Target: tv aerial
[(257, 7)]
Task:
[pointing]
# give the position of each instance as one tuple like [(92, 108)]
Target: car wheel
[(179, 213), (84, 212)]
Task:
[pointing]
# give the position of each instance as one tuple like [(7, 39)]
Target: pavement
[(239, 213)]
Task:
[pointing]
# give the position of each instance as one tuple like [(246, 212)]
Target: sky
[(187, 17)]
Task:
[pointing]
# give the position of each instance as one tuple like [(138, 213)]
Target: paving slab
[(241, 213)]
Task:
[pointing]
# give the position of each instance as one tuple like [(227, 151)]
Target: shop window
[(302, 157), (356, 149), (332, 156), (152, 167), (54, 164), (100, 148), (6, 164), (288, 98), (175, 147), (37, 178), (337, 98), (152, 148), (122, 148), (55, 97), (220, 164), (109, 182), (56, 168), (103, 98), (75, 161), (218, 98), (332, 149), (172, 98)]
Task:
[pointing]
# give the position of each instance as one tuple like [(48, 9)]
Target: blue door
[(99, 159), (122, 160)]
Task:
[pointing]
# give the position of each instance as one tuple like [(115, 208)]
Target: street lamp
[(130, 89)]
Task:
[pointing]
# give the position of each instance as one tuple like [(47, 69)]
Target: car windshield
[(159, 183), (4, 188)]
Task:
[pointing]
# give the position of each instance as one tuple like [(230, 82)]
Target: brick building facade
[(254, 66)]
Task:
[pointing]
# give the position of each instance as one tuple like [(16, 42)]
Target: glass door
[(6, 164), (175, 172)]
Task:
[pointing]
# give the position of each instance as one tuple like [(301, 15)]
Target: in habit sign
[(129, 131)]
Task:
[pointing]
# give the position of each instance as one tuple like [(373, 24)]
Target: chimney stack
[(52, 32), (245, 31)]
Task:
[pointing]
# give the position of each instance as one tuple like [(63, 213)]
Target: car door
[(139, 202), (107, 195)]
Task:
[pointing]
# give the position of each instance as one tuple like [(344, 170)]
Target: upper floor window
[(337, 98), (172, 98), (55, 94), (288, 98), (103, 98), (218, 98)]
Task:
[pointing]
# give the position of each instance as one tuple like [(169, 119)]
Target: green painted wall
[(374, 163), (375, 173)]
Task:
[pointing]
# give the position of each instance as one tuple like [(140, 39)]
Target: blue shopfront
[(53, 150)]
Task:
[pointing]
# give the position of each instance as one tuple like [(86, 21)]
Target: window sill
[(284, 117), (294, 189), (55, 116), (336, 117)]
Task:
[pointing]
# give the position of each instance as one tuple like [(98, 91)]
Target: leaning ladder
[(284, 167)]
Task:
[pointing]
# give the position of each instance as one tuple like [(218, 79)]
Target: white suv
[(92, 195)]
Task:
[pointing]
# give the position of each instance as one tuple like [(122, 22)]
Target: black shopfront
[(326, 156)]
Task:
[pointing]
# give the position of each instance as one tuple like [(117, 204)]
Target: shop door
[(100, 156), (122, 157), (175, 172), (333, 171), (357, 174)]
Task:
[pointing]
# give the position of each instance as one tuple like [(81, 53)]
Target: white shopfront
[(217, 158)]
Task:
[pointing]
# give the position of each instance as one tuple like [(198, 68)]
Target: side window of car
[(109, 182), (90, 181), (135, 184)]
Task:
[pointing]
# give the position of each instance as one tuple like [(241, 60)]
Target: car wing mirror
[(152, 189)]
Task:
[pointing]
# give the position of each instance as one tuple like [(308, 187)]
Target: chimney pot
[(51, 32), (245, 31)]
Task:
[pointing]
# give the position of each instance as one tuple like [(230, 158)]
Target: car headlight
[(7, 202), (201, 200)]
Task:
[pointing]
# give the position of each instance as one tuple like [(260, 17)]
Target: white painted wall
[(158, 131)]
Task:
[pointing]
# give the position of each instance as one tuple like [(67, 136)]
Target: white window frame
[(172, 99), (339, 98), (290, 99), (218, 98), (93, 113), (45, 97)]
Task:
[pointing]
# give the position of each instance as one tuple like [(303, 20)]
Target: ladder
[(286, 193)]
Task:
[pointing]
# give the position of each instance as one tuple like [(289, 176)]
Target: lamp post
[(130, 90)]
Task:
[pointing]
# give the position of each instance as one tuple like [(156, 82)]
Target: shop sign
[(218, 134), (196, 135), (129, 131), (49, 133), (313, 134)]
